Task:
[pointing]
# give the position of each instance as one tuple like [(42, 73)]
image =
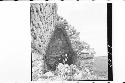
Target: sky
[(90, 19)]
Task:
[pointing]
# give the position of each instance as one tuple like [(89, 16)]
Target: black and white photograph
[(71, 42), (62, 41)]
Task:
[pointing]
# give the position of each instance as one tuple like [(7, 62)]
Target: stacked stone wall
[(42, 26), (44, 19)]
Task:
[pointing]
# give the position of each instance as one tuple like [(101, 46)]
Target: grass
[(101, 66)]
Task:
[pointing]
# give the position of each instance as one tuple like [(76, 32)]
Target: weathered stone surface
[(42, 22), (54, 40)]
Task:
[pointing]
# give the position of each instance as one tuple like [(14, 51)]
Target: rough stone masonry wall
[(85, 54), (44, 18), (42, 26)]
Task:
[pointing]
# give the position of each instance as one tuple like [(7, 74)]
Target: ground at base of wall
[(71, 73)]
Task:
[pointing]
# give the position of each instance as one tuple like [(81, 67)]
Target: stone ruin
[(54, 40)]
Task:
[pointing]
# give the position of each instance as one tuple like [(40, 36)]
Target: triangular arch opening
[(59, 49)]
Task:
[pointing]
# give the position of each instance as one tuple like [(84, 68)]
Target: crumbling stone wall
[(44, 19), (85, 54), (42, 25)]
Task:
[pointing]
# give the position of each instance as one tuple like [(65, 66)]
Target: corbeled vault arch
[(59, 46)]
